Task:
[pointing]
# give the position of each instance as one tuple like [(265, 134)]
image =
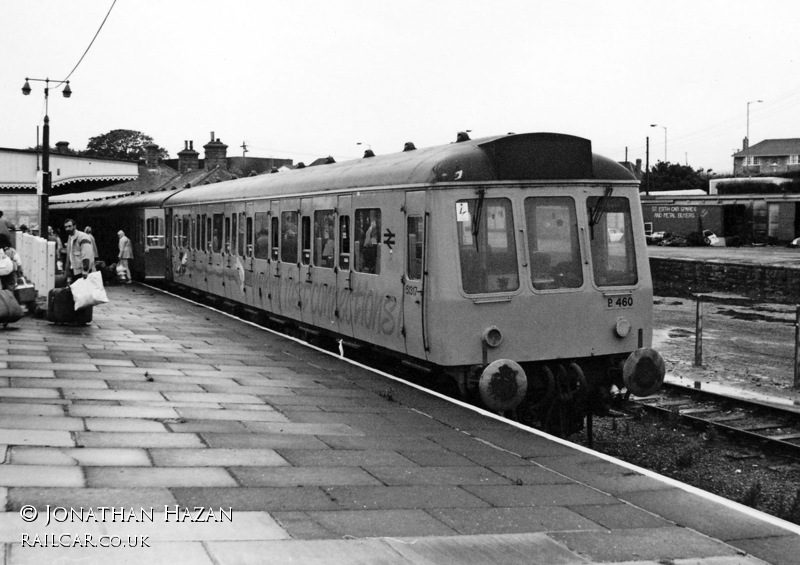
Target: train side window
[(226, 234), (367, 245), (323, 238), (249, 236), (415, 234), (154, 232), (203, 243), (197, 233), (209, 231), (344, 242), (262, 235), (289, 237), (487, 245), (275, 239), (216, 237), (192, 232), (185, 231), (240, 235), (613, 254), (553, 243), (305, 223), (234, 231)]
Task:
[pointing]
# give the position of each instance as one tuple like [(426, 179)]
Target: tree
[(121, 144), (674, 176)]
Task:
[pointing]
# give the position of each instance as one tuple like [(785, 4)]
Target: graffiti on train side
[(363, 306)]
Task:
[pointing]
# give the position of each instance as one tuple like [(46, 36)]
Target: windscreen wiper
[(599, 208)]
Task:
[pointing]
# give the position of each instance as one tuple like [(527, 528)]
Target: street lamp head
[(653, 125), (67, 92), (26, 88)]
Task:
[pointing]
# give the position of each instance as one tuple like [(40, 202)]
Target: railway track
[(769, 427)]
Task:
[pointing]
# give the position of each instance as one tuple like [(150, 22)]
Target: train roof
[(152, 199), (512, 157)]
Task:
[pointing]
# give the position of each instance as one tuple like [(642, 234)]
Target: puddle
[(752, 316)]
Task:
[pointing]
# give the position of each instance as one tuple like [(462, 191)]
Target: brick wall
[(677, 277)]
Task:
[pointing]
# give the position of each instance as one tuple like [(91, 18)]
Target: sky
[(302, 79)]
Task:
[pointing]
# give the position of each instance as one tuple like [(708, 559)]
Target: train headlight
[(644, 372), (622, 327), (492, 336)]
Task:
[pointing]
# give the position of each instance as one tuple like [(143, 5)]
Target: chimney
[(745, 144), (188, 159), (151, 156), (62, 147), (216, 154), (638, 165)]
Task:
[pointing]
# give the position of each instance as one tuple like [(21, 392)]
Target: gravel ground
[(746, 346)]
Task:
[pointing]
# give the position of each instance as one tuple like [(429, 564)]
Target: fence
[(38, 261)]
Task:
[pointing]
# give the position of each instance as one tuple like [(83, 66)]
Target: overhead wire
[(113, 3)]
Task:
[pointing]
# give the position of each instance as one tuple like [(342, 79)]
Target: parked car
[(656, 237), (710, 238), (674, 241), (794, 243)]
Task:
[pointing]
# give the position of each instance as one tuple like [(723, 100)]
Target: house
[(768, 157)]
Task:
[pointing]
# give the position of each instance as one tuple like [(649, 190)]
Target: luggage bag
[(10, 310), (61, 308), (25, 293)]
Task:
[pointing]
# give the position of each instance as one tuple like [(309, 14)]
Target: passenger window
[(613, 254), (415, 241), (185, 231), (275, 239), (262, 235), (289, 237), (240, 235), (323, 238), (368, 241), (344, 242), (192, 234), (249, 236), (216, 238), (230, 228), (553, 243), (154, 232), (487, 246), (306, 224), (197, 237), (205, 226)]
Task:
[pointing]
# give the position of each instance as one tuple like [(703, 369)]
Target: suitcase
[(25, 292), (61, 308), (10, 310)]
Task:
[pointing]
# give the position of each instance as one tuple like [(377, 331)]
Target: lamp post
[(665, 139), (44, 194), (747, 137)]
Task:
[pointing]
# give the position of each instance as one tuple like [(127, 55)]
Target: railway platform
[(166, 432)]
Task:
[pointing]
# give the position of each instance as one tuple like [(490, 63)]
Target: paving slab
[(88, 456), (210, 457)]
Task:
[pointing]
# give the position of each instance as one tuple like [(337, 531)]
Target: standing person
[(88, 231), (9, 281), (5, 226), (80, 254), (60, 252), (125, 253)]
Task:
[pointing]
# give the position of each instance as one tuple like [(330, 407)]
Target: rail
[(38, 258)]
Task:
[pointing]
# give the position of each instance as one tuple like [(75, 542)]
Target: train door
[(245, 252), (414, 295), (214, 232), (234, 280), (289, 259), (317, 259), (377, 268), (343, 268), (260, 260), (155, 244)]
